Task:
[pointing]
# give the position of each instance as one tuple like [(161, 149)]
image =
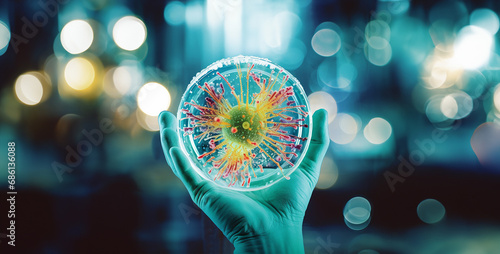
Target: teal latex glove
[(263, 221)]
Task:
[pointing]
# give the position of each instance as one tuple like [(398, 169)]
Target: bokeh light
[(486, 19), (32, 88), (377, 131), (496, 98), (434, 110), (358, 227), (77, 36), (449, 106), (174, 13), (472, 47), (411, 89), (379, 30), (456, 105), (431, 211), (343, 129), (326, 42), (129, 33), (441, 71), (484, 143), (323, 100), (122, 79), (329, 173), (29, 89), (79, 73), (464, 105), (442, 35), (380, 55), (378, 50), (438, 77), (474, 83), (147, 122), (357, 211), (4, 37), (153, 98), (493, 116), (118, 81)]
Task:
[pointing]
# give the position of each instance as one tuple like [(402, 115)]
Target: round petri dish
[(244, 123)]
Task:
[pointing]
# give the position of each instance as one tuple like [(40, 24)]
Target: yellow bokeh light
[(153, 98), (79, 73), (323, 100), (147, 122), (329, 173), (32, 87), (29, 89), (441, 70), (129, 33), (77, 36), (438, 77)]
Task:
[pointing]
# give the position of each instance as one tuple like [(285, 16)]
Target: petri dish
[(244, 123)]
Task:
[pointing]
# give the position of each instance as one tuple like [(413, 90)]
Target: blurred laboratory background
[(411, 89)]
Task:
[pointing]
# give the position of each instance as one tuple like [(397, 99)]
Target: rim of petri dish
[(266, 179)]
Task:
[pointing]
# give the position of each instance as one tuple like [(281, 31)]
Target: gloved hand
[(263, 221)]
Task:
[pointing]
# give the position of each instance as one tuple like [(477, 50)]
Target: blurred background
[(411, 88)]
